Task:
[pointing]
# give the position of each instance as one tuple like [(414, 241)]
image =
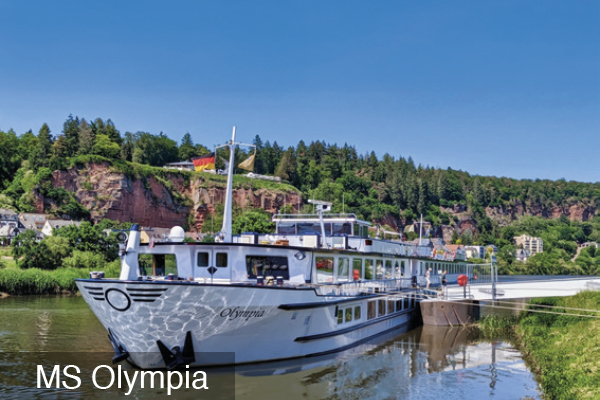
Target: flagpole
[(226, 234), (421, 230), (226, 230)]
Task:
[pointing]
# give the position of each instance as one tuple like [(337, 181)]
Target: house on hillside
[(475, 251), (533, 244), (8, 233), (522, 255), (180, 166), (9, 218), (50, 225), (195, 236), (33, 220), (458, 251), (156, 235)]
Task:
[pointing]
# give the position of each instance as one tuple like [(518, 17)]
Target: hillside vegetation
[(391, 190)]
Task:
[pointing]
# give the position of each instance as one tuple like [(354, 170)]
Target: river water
[(418, 363)]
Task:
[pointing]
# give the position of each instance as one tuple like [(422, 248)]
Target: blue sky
[(508, 88)]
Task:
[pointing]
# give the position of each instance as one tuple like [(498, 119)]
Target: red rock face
[(575, 212), (111, 194)]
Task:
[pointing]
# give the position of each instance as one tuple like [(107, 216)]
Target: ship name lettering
[(234, 313)]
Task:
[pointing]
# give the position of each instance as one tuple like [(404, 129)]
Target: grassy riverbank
[(564, 349), (15, 281)]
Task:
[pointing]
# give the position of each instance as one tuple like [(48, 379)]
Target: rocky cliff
[(166, 199), (463, 220), (163, 200)]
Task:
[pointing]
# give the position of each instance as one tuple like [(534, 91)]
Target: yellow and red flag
[(205, 162)]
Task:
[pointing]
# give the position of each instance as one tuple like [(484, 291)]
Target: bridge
[(454, 304), (499, 290), (484, 284)]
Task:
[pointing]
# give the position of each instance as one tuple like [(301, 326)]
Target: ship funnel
[(130, 264)]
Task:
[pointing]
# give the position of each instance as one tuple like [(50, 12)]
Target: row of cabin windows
[(437, 267), (381, 307), (345, 315), (255, 265), (314, 228), (267, 266), (369, 268)]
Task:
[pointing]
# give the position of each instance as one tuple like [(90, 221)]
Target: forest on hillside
[(372, 187)]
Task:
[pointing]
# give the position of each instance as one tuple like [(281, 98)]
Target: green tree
[(187, 149), (507, 254), (10, 160), (71, 136), (105, 147), (86, 138), (257, 221), (28, 253), (88, 237), (43, 149), (57, 248)]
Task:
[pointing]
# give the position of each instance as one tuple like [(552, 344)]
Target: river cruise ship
[(318, 284)]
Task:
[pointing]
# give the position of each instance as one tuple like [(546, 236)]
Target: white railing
[(353, 288)]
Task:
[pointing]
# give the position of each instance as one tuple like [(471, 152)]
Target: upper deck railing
[(326, 217)]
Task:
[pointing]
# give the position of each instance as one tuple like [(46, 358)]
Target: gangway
[(484, 284), (522, 289)]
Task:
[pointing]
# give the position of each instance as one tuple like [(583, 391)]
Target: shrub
[(85, 259)]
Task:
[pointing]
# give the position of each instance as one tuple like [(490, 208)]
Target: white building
[(475, 252), (533, 244), (33, 220), (50, 225)]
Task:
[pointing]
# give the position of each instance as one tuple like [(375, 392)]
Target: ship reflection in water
[(425, 363), (421, 363)]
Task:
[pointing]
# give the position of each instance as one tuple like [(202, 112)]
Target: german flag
[(205, 162)]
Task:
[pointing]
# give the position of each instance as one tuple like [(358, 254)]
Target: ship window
[(348, 313), (341, 229), (357, 312), (203, 259), (356, 230), (379, 269), (343, 269), (381, 307), (357, 268), (390, 306), (388, 270), (406, 303), (157, 264), (221, 259), (267, 266), (311, 228), (397, 272), (369, 269), (286, 229), (365, 231), (324, 269), (398, 304), (371, 310), (340, 316)]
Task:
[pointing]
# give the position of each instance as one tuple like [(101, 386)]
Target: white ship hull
[(256, 323)]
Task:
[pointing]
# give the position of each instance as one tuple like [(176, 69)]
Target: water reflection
[(423, 363)]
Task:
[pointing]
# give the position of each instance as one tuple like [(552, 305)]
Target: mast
[(421, 230), (226, 231)]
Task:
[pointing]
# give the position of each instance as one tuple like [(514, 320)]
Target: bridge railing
[(481, 273)]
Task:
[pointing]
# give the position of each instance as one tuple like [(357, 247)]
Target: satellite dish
[(177, 234)]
